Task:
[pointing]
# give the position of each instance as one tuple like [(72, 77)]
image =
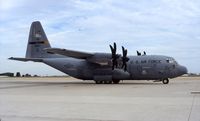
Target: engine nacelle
[(119, 74), (103, 78), (109, 75)]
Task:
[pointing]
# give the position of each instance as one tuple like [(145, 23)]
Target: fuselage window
[(154, 61), (143, 61), (131, 62)]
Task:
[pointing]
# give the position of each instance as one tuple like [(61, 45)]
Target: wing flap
[(69, 53)]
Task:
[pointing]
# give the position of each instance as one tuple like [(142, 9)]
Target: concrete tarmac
[(68, 99)]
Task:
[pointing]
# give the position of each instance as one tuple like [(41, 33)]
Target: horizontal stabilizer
[(26, 59), (69, 53)]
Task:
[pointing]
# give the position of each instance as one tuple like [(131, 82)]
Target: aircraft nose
[(182, 70)]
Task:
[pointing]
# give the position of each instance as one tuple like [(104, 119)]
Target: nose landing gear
[(165, 81)]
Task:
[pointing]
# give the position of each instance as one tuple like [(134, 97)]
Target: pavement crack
[(191, 108)]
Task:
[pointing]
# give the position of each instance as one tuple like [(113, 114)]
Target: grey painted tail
[(37, 42)]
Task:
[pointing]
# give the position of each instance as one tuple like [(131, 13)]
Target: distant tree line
[(18, 74), (7, 74), (193, 74)]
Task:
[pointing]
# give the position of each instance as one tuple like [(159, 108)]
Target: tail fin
[(37, 42)]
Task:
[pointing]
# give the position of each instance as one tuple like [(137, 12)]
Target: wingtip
[(10, 58)]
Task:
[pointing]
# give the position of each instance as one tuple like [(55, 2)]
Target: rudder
[(37, 42)]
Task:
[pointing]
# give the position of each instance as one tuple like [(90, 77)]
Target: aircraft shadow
[(24, 84)]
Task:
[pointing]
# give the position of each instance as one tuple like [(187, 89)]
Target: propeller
[(114, 55), (125, 59)]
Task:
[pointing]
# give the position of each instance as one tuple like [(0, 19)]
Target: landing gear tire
[(116, 81), (165, 81), (99, 82)]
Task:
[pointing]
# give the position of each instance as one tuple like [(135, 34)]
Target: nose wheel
[(165, 81)]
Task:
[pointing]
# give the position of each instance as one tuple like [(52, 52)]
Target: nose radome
[(183, 70)]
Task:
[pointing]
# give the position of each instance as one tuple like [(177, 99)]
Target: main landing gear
[(116, 81), (107, 82)]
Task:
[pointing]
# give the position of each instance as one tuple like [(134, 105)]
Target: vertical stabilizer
[(37, 41)]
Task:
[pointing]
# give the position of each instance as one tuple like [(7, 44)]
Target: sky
[(160, 27)]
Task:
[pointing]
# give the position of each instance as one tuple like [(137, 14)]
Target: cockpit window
[(171, 60), (175, 62)]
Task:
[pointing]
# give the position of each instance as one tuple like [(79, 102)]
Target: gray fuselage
[(148, 67)]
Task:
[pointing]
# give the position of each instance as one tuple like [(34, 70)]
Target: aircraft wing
[(26, 59), (69, 53)]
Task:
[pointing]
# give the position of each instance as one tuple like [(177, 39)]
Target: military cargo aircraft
[(103, 68)]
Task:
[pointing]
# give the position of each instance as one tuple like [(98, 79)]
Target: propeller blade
[(138, 53), (125, 59), (125, 52), (115, 47), (114, 55), (123, 49), (144, 53), (111, 48)]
